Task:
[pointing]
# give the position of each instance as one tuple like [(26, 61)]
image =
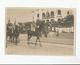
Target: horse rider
[(9, 29), (9, 25), (38, 34), (15, 32)]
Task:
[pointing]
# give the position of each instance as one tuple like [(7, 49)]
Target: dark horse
[(36, 33), (12, 34), (9, 32), (15, 34)]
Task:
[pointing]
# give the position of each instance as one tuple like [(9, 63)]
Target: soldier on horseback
[(36, 32), (9, 30), (15, 33)]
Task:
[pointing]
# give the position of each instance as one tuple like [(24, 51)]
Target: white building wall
[(56, 17), (40, 11)]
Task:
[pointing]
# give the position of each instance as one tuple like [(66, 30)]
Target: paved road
[(50, 46)]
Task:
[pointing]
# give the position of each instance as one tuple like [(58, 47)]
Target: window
[(52, 13), (47, 14), (68, 13), (43, 15), (59, 12)]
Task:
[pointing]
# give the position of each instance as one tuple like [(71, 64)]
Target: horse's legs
[(10, 38), (29, 37), (39, 42), (17, 39), (13, 39), (28, 40), (38, 39)]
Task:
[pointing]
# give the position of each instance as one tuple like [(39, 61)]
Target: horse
[(9, 33), (36, 33), (15, 34)]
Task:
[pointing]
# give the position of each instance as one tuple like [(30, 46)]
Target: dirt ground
[(52, 45)]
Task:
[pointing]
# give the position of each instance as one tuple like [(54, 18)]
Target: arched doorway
[(52, 14), (59, 12), (43, 15)]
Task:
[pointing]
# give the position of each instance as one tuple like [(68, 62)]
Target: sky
[(19, 14)]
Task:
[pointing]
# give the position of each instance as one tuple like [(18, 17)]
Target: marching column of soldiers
[(13, 30)]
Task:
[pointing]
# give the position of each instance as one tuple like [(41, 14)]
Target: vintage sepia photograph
[(40, 31)]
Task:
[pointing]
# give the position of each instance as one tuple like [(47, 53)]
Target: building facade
[(53, 14)]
